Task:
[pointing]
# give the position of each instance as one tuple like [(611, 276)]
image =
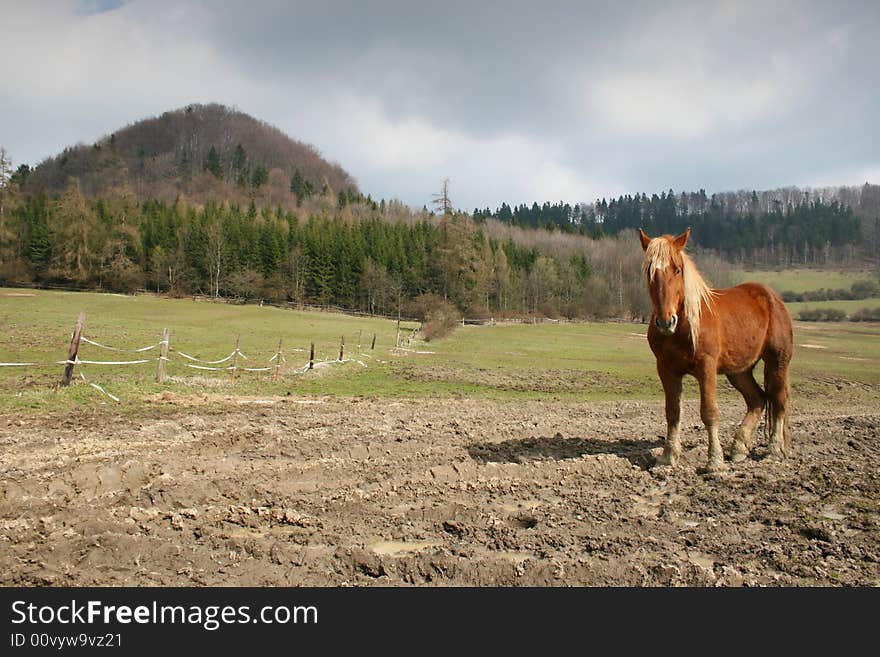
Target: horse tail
[(777, 375), (785, 431), (773, 411)]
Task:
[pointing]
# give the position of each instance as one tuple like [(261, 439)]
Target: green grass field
[(803, 280), (848, 306), (38, 326), (507, 362)]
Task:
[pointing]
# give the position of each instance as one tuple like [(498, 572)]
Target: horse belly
[(740, 359), (743, 331)]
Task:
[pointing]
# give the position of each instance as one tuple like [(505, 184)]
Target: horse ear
[(682, 239), (645, 239)]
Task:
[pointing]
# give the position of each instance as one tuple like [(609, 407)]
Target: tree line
[(346, 251), (781, 228)]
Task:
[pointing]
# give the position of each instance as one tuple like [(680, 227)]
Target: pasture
[(803, 280), (501, 455), (568, 361), (849, 306)]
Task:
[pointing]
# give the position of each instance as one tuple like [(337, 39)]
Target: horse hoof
[(776, 454), (738, 455), (713, 469), (666, 460)]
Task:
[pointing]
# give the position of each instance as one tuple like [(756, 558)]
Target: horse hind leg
[(777, 386), (755, 400)]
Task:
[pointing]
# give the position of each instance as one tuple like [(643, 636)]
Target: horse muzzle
[(666, 327)]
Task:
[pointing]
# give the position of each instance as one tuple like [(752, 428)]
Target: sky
[(512, 101)]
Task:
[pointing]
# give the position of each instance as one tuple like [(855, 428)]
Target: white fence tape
[(111, 362), (99, 388), (206, 362), (130, 351), (202, 367)]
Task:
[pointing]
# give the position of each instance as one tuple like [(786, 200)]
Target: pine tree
[(240, 166), (300, 187), (260, 177), (39, 250), (213, 165)]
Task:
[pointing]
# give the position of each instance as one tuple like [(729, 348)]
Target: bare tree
[(442, 201), (5, 167), (5, 173), (216, 253)]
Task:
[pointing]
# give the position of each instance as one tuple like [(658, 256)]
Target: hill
[(206, 152)]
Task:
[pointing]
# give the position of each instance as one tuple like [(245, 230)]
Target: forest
[(349, 251), (780, 228), (360, 255)]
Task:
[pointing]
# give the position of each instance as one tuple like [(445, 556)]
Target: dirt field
[(290, 491)]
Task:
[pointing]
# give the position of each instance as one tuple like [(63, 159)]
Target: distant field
[(848, 306), (506, 362), (803, 280)]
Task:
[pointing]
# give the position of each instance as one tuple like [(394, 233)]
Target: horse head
[(663, 269)]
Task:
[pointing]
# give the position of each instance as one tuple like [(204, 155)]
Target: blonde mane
[(659, 255)]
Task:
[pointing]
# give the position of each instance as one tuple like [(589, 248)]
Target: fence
[(233, 363)]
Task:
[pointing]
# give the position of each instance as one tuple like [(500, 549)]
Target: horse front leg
[(672, 390), (709, 414)]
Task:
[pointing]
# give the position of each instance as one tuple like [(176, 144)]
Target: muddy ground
[(211, 491)]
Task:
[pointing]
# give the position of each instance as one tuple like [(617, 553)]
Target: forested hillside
[(345, 250), (207, 152), (768, 229), (358, 254)]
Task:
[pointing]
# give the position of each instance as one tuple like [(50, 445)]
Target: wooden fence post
[(373, 346), (72, 351), (235, 359), (163, 356), (312, 357), (342, 347), (278, 362)]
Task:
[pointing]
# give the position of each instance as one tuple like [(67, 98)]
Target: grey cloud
[(632, 96)]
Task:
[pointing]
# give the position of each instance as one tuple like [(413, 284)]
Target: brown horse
[(704, 332)]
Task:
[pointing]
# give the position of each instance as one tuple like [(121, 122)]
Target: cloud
[(83, 76), (510, 100), (694, 72), (90, 7), (484, 170), (858, 175), (648, 104)]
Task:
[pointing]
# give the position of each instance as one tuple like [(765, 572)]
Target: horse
[(704, 332)]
